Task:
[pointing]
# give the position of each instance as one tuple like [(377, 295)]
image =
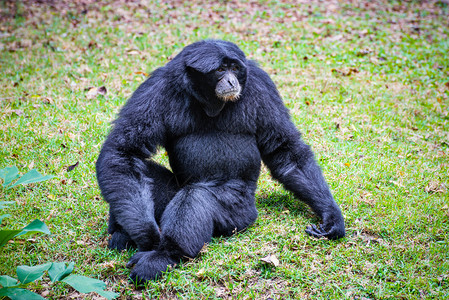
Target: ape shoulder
[(262, 90)]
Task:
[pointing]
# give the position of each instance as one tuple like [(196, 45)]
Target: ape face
[(217, 78), (228, 87), (213, 89)]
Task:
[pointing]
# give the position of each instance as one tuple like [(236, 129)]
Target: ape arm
[(123, 173), (292, 162)]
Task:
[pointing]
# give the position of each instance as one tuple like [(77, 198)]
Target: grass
[(367, 82)]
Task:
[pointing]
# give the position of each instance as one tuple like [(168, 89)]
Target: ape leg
[(134, 216), (194, 215)]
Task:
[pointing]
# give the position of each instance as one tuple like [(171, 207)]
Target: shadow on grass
[(280, 202)]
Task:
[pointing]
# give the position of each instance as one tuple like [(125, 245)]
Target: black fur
[(215, 160)]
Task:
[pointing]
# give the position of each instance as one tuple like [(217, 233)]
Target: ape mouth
[(231, 95)]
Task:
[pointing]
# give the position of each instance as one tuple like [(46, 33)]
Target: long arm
[(292, 162), (124, 174)]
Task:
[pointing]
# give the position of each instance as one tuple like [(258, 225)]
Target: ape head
[(216, 71)]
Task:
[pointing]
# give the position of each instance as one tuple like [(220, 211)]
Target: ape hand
[(121, 241), (333, 227)]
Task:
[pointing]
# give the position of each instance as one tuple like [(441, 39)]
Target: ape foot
[(121, 241), (148, 265)]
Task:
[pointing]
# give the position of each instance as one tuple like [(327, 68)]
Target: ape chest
[(214, 155)]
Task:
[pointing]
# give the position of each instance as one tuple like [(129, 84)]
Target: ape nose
[(233, 82)]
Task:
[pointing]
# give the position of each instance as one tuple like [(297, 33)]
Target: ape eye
[(235, 68), (220, 70)]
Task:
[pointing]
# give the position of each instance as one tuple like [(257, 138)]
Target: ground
[(367, 82)]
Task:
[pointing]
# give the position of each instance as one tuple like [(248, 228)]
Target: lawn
[(367, 83)]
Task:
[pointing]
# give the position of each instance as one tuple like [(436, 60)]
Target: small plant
[(33, 227), (9, 174), (57, 271)]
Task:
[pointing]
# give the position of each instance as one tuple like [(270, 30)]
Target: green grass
[(380, 133)]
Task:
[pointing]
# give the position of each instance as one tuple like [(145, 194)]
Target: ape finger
[(135, 259), (314, 231)]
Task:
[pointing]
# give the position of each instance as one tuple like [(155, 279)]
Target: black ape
[(218, 115)]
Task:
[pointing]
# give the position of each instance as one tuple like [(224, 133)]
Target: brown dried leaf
[(364, 52), (349, 72), (200, 274), (435, 187), (18, 112), (92, 44), (102, 90), (220, 292), (367, 197), (26, 43), (110, 265), (84, 69), (70, 168), (141, 73), (270, 259), (93, 92), (48, 100), (133, 51)]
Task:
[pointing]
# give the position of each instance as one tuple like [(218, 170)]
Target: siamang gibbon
[(217, 115)]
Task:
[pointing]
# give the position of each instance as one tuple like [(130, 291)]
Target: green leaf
[(19, 294), (58, 271), (27, 274), (31, 177), (108, 295), (4, 204), (86, 285), (8, 174), (3, 172), (8, 281), (35, 226), (6, 235), (4, 216)]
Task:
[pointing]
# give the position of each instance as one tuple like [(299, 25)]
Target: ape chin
[(218, 115)]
